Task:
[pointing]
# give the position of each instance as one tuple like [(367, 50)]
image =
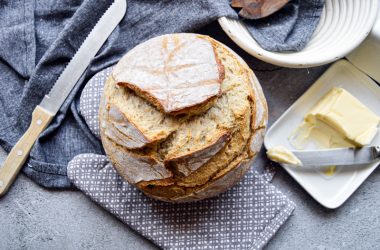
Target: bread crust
[(121, 127), (234, 171), (140, 167), (131, 166), (184, 75), (168, 185), (188, 163)]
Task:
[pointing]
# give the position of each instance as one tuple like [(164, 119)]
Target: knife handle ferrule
[(20, 152)]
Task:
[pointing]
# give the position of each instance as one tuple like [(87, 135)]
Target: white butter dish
[(331, 191)]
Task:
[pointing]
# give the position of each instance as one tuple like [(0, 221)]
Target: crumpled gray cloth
[(244, 217), (37, 40), (289, 29)]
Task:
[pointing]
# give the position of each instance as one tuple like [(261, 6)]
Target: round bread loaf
[(182, 117)]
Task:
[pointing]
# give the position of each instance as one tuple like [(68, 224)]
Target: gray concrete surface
[(35, 218)]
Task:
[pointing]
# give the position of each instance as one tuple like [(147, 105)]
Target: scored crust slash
[(182, 117)]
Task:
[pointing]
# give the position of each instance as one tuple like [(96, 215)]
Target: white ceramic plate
[(331, 191), (344, 24)]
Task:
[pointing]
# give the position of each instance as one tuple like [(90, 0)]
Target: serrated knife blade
[(87, 51), (338, 156), (48, 108)]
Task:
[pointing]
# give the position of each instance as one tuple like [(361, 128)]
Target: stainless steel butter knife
[(48, 108), (338, 156)]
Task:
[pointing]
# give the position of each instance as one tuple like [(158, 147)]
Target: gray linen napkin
[(37, 40), (245, 217), (289, 29)]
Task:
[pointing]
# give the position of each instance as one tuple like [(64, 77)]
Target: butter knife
[(48, 108), (338, 156)]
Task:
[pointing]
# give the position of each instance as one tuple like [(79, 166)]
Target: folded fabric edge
[(71, 176), (271, 229), (47, 175)]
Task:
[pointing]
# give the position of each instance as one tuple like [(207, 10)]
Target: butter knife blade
[(338, 156), (82, 58)]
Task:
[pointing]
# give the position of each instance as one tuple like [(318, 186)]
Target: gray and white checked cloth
[(245, 217)]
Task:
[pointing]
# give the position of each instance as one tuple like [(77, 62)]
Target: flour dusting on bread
[(178, 73), (184, 137)]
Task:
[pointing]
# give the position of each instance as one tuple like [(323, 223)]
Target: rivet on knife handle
[(20, 152)]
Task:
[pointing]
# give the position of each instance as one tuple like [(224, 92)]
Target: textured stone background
[(35, 218)]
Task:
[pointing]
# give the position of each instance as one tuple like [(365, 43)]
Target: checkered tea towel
[(245, 217)]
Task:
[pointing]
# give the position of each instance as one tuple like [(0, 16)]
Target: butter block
[(347, 115), (281, 154), (320, 134)]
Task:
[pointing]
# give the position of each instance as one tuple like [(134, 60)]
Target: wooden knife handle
[(20, 152)]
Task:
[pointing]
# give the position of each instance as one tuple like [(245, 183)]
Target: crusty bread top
[(186, 155), (179, 74), (185, 144)]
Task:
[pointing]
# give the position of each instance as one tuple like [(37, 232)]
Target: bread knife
[(49, 106), (338, 156)]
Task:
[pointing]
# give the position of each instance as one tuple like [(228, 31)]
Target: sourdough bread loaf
[(196, 137)]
